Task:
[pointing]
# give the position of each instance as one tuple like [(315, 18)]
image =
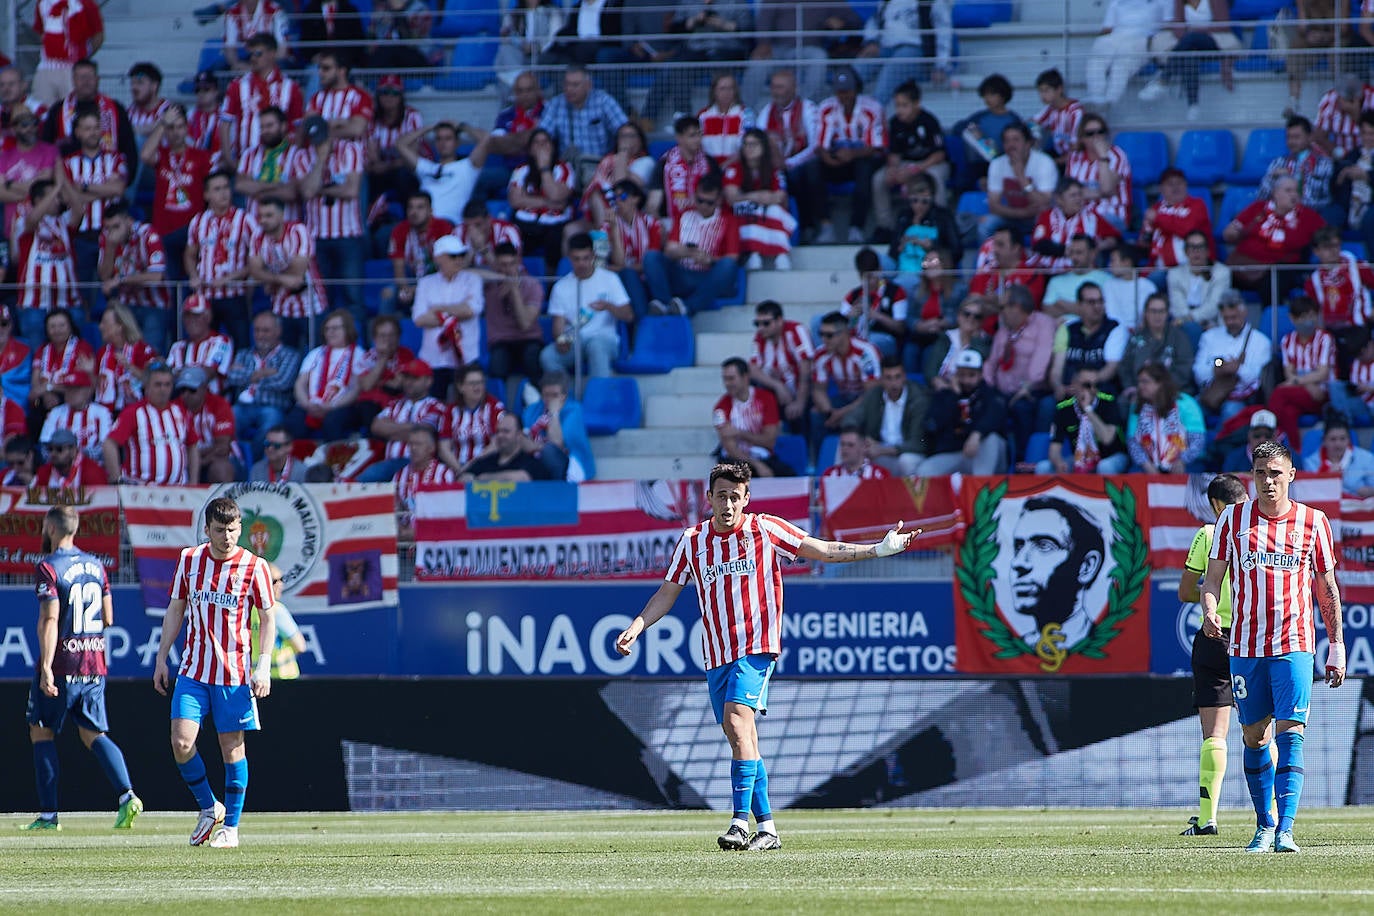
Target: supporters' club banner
[(865, 510), (1355, 530), (1052, 576), (547, 530), (334, 543), (21, 525), (1179, 506)]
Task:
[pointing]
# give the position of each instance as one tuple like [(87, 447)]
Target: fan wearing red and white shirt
[(90, 423), (381, 381), (133, 266), (736, 559), (69, 31), (270, 167), (1336, 129), (121, 360), (13, 420), (1169, 222), (94, 177), (63, 353), (1057, 226), (851, 461), (746, 421), (1274, 548), (482, 232), (1309, 364), (471, 422), (393, 424), (852, 366), (246, 19), (422, 468), (1273, 231), (116, 133), (47, 264), (1340, 285), (201, 346), (331, 187), (632, 234), (202, 121), (679, 170), (1060, 117), (543, 192), (1010, 267), (724, 121), (327, 387), (249, 95), (213, 420), (780, 359), (877, 308), (68, 468), (158, 438), (146, 106), (1104, 170), (392, 119), (699, 261), (180, 173), (218, 243), (756, 190), (851, 147), (283, 261), (345, 108), (411, 248)]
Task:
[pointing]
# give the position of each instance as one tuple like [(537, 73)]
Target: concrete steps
[(695, 467), (656, 441), (687, 380), (679, 410)]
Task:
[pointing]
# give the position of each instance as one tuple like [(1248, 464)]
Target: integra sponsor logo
[(84, 644), (223, 599), (1251, 559), (729, 568)]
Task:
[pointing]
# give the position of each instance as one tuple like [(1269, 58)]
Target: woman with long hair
[(756, 188), (541, 194), (1166, 431), (63, 352), (121, 363), (329, 383), (725, 121)]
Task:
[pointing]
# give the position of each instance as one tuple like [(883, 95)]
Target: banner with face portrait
[(1053, 576)]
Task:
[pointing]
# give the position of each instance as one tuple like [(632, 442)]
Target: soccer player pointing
[(734, 558), (215, 588), (1272, 547)]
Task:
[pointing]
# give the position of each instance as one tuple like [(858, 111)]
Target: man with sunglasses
[(781, 361), (278, 464), (24, 159), (262, 87), (68, 468), (699, 260)]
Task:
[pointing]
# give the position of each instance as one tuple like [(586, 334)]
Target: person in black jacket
[(331, 25), (923, 227), (964, 426)]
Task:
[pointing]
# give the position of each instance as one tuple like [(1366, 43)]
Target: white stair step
[(714, 348), (657, 442), (691, 467), (824, 257), (795, 286), (677, 410), (687, 380)]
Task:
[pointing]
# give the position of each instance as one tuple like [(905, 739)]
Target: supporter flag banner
[(1052, 576), (1355, 571), (21, 525), (334, 543), (601, 529), (865, 510)]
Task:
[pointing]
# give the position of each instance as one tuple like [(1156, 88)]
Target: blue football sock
[(763, 811), (1288, 778), (1259, 779), (742, 775), (112, 762), (193, 771), (45, 775), (235, 785)]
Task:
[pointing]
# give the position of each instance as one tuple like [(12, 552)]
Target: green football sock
[(1211, 771)]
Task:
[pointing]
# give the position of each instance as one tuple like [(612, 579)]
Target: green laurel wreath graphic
[(1128, 577)]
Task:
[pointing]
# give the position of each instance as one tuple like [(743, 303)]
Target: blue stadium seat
[(658, 148), (741, 290), (1257, 9), (975, 202), (534, 265), (564, 267), (1311, 440), (791, 450), (1206, 156), (1038, 447), (1233, 201), (496, 387), (377, 276), (662, 343), (211, 58), (1266, 323), (499, 209), (411, 335), (471, 63), (1262, 147), (968, 15), (610, 405), (1148, 153), (460, 20), (825, 458), (1357, 249)]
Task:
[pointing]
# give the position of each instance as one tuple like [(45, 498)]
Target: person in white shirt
[(1021, 183), (1232, 350), (1061, 293), (447, 307), (449, 180), (1126, 289), (585, 305), (1196, 288), (1123, 47)]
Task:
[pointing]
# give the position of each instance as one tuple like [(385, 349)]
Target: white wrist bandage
[(1335, 655)]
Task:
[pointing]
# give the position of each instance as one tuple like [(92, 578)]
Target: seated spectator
[(1308, 164), (1262, 429), (963, 428), (780, 360), (877, 308), (392, 119), (984, 131), (400, 31), (1088, 426), (200, 347), (77, 414), (1197, 285), (510, 457), (13, 420), (213, 420), (1309, 363), (699, 261), (557, 433), (1018, 366), (672, 190), (799, 36), (133, 271), (1354, 398), (1166, 432), (1157, 341), (156, 436), (843, 370), (381, 380), (448, 306), (632, 234), (586, 305), (510, 134), (471, 421), (1009, 268), (1230, 360), (411, 249), (64, 352), (583, 117), (397, 419), (542, 192), (15, 361), (851, 148), (47, 269), (1341, 285), (1020, 183), (1060, 117), (1056, 227), (261, 382), (1196, 32), (725, 120), (915, 146), (851, 458), (746, 421), (1339, 453), (1337, 127), (891, 423), (1126, 288), (1103, 169), (278, 464), (326, 391), (1175, 217), (940, 292), (792, 123), (122, 360), (528, 29), (68, 468), (424, 467), (448, 179), (283, 262), (922, 227), (1061, 293), (1351, 189), (756, 190), (219, 241), (514, 301), (1122, 48), (629, 161), (939, 360), (1093, 342), (268, 168), (482, 232), (1276, 230), (20, 459)]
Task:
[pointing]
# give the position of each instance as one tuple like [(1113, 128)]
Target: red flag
[(864, 510)]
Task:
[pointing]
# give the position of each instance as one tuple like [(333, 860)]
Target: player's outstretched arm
[(1211, 594), (894, 542), (1329, 601), (171, 626), (655, 610)]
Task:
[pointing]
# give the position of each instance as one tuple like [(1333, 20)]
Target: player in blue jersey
[(69, 681)]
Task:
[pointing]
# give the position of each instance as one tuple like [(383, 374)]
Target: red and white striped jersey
[(98, 169), (47, 272), (341, 104), (65, 29), (1306, 355), (417, 251), (1343, 130), (782, 357), (275, 165), (214, 353), (220, 596), (408, 480), (241, 24), (54, 362), (1362, 375), (562, 174), (225, 240), (108, 109), (1053, 225), (864, 126), (84, 472), (143, 120), (866, 471), (738, 577), (277, 255), (115, 386), (248, 95), (141, 253), (327, 217), (795, 128), (426, 410), (1085, 167), (1342, 291), (329, 372), (645, 234), (1061, 124), (722, 132), (501, 231), (90, 425), (214, 419), (850, 371), (751, 416), (470, 429), (1272, 562), (386, 138), (202, 132), (156, 442), (717, 234)]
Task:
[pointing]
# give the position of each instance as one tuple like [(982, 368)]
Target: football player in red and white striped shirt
[(200, 347), (1309, 364), (851, 461), (215, 589), (1273, 549), (852, 365), (94, 177), (218, 243), (157, 435), (735, 560), (1104, 170), (781, 358), (250, 94)]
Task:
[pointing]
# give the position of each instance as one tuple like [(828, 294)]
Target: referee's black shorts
[(1211, 670)]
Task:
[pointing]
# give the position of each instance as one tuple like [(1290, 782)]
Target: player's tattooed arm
[(1329, 601), (894, 542)]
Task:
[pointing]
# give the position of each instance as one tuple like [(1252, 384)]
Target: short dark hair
[(866, 261), (733, 471), (279, 428), (835, 318), (338, 57), (626, 186), (1087, 537), (1298, 120), (1227, 488), (1085, 238), (738, 364), (1051, 77), (582, 241), (1271, 449), (466, 370), (685, 123), (223, 510), (1010, 233), (429, 198), (1068, 181), (556, 377), (473, 209), (891, 362), (1302, 305), (1090, 284), (272, 202), (383, 320), (148, 69), (118, 207), (1335, 421), (427, 430), (910, 89), (996, 83), (1322, 237), (218, 173), (505, 248), (710, 183), (1367, 117), (275, 111), (264, 40), (770, 307), (86, 63)]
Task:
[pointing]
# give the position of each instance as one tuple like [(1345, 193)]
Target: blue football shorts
[(743, 681), (80, 696), (234, 709), (1278, 686)]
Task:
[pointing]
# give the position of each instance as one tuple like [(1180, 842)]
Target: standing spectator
[(850, 145), (1337, 127), (400, 30), (901, 32), (91, 179), (1018, 366), (891, 421), (14, 95), (218, 243), (14, 359), (471, 422), (1306, 163), (69, 32), (335, 24), (1057, 227), (381, 380), (122, 362), (482, 232), (411, 248), (1059, 119), (260, 382), (1309, 363), (1166, 432), (157, 438), (247, 18), (326, 390), (448, 179), (963, 428), (725, 120), (586, 305), (47, 270), (1319, 32), (24, 159), (1126, 289), (793, 124), (1340, 286), (699, 262), (202, 121), (632, 234), (448, 306), (756, 189), (746, 422), (1103, 169), (940, 360), (1230, 360), (69, 470), (1089, 426), (178, 182), (147, 106), (1271, 231), (680, 170), (513, 300), (1021, 182), (133, 271), (543, 192), (1122, 47), (1175, 216), (877, 308), (915, 146), (201, 346), (213, 420), (282, 261), (527, 31), (277, 464), (89, 422), (843, 370), (1351, 190), (851, 458), (1196, 287), (262, 87), (344, 107), (1094, 342), (332, 191), (557, 432), (781, 360), (62, 352), (393, 424), (116, 133), (1159, 342), (392, 119), (583, 118), (270, 167)]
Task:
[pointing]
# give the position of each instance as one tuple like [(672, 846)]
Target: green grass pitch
[(1028, 862)]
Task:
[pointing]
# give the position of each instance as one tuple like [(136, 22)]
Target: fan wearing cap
[(15, 359), (393, 424), (327, 387), (89, 422), (283, 261), (1263, 428), (447, 306), (218, 242), (157, 437), (213, 420), (965, 423), (201, 346), (68, 467), (392, 118), (24, 159), (202, 122)]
